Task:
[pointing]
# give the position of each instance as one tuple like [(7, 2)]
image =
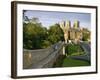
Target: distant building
[(71, 33), (76, 24), (65, 26)]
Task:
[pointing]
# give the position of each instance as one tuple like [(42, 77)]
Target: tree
[(33, 35), (55, 34), (86, 34), (25, 17)]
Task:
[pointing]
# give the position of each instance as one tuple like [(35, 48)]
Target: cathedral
[(73, 33)]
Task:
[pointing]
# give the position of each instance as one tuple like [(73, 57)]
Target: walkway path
[(87, 50), (48, 60)]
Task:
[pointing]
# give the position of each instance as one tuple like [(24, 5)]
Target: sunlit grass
[(68, 62)]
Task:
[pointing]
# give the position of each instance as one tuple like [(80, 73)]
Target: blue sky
[(48, 18)]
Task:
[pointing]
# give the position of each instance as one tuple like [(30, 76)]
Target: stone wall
[(41, 57), (53, 59)]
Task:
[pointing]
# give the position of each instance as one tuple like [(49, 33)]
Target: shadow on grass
[(64, 61)]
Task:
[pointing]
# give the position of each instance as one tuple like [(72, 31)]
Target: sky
[(48, 18)]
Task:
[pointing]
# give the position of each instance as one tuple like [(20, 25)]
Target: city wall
[(41, 57)]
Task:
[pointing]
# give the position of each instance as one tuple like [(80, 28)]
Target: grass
[(69, 62), (74, 49), (71, 50)]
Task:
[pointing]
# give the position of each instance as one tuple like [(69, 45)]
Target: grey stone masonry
[(41, 57)]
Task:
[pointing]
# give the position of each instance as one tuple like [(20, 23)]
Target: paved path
[(48, 60), (87, 50)]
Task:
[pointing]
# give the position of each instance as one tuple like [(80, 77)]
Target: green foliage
[(55, 34), (45, 44), (73, 49), (35, 36), (68, 62), (86, 34)]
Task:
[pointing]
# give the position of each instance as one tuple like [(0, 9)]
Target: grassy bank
[(73, 49), (69, 62)]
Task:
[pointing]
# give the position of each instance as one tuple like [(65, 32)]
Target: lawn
[(73, 49), (68, 62)]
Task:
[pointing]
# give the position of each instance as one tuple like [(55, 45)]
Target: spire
[(68, 24), (76, 24)]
